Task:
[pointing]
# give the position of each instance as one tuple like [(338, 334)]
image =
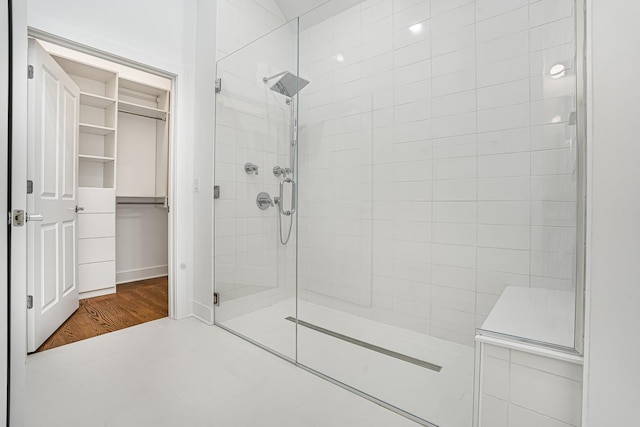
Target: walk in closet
[(123, 171)]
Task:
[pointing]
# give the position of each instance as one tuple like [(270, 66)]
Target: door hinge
[(218, 85), (17, 218), (29, 302), (216, 299), (30, 71), (216, 191), (29, 186)]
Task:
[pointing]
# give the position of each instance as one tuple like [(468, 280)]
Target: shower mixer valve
[(278, 171), (251, 168)]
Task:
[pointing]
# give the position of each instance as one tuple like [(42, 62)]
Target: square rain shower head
[(289, 84)]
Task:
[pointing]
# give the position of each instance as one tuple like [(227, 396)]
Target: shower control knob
[(264, 201), (250, 168), (278, 171)]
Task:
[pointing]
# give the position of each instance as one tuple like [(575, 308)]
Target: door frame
[(17, 191), (5, 117), (78, 47), (17, 196)]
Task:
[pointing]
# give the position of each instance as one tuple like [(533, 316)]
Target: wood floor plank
[(132, 304)]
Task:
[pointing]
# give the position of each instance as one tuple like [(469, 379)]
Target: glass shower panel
[(438, 184), (366, 215), (254, 158)]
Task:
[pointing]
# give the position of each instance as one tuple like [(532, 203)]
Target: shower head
[(288, 84)]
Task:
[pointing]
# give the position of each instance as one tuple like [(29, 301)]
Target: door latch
[(216, 299), (29, 302), (17, 218)]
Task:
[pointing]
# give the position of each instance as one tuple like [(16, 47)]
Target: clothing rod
[(142, 115), (141, 203)]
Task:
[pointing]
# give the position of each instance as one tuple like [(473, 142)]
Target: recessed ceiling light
[(339, 57), (416, 29), (557, 71)]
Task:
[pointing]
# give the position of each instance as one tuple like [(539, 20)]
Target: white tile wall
[(522, 389), (242, 21), (443, 139), (252, 125)]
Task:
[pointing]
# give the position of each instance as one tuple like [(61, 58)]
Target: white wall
[(156, 33), (204, 117), (241, 22), (613, 317), (440, 158), (141, 242)]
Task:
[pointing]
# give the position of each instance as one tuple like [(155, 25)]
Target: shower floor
[(443, 398)]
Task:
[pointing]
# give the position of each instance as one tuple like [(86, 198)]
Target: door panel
[(49, 265), (52, 166), (254, 272), (69, 145), (49, 137), (69, 276)]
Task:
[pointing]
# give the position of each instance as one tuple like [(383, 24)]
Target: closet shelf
[(96, 159), (95, 130), (141, 110), (87, 187), (95, 100)]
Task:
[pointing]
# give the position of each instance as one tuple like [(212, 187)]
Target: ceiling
[(294, 8)]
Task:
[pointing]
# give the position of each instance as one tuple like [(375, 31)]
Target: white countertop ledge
[(536, 314)]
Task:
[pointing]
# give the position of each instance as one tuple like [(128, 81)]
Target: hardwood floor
[(132, 304)]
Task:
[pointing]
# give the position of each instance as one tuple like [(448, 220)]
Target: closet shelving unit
[(122, 152)]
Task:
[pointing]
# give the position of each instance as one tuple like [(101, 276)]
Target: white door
[(52, 225)]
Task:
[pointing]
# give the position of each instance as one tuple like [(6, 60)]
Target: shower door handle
[(293, 197)]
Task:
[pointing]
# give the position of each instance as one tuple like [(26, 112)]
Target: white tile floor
[(187, 374), (444, 398)]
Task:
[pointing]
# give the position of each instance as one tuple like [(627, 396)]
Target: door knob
[(34, 217), (79, 209)]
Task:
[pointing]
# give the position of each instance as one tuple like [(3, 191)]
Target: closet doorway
[(99, 193)]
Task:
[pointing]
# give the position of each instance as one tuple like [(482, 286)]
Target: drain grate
[(367, 345)]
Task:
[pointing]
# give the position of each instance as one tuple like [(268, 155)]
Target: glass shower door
[(255, 239)]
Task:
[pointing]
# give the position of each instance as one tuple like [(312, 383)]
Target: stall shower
[(427, 163)]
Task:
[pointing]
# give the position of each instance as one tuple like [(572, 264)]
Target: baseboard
[(98, 293), (203, 313), (141, 274)]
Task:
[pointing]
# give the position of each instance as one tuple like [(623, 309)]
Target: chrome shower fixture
[(288, 83), (278, 171), (251, 168)]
